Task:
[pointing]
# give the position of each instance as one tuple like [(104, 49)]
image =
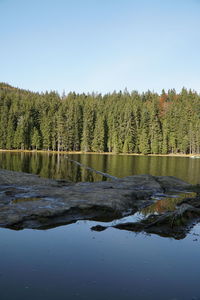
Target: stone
[(29, 201)]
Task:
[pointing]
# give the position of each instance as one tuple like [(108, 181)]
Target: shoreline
[(93, 153)]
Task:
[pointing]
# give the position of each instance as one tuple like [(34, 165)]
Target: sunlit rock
[(28, 201)]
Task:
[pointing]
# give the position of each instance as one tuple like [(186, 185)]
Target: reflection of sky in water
[(161, 205), (73, 262)]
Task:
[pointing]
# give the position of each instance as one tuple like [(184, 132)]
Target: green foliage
[(121, 122), (35, 139)]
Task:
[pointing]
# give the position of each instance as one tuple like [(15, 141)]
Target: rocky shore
[(28, 201)]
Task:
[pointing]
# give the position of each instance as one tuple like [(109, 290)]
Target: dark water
[(59, 167), (73, 262)]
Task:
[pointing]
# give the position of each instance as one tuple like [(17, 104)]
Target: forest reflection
[(166, 204), (57, 166)]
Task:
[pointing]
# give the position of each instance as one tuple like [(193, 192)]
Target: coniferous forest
[(119, 122)]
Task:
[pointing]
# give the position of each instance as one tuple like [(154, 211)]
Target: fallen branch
[(91, 169)]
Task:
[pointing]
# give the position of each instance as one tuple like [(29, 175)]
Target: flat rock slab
[(28, 201)]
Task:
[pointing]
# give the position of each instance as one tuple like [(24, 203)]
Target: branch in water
[(92, 170)]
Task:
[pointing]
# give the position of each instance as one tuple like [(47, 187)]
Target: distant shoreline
[(102, 153)]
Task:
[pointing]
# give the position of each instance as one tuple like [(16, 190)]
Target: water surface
[(59, 167), (73, 262)]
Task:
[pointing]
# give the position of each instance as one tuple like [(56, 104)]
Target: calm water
[(59, 167), (73, 262)]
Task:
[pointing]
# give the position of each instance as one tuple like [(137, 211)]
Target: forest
[(118, 122)]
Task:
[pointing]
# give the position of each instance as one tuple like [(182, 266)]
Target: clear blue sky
[(100, 45)]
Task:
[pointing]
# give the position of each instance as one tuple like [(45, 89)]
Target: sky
[(100, 45)]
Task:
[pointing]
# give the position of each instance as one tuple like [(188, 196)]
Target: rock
[(173, 224), (173, 184), (98, 228), (28, 201)]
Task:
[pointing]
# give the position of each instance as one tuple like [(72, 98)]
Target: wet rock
[(174, 224), (28, 201)]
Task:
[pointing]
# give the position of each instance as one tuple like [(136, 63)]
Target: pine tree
[(88, 126), (35, 139), (99, 141)]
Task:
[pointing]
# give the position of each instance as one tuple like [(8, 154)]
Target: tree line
[(118, 122)]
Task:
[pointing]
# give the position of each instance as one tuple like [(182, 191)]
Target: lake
[(59, 167), (74, 262)]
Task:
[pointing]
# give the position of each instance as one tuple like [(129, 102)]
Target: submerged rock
[(175, 224), (170, 224), (28, 201)]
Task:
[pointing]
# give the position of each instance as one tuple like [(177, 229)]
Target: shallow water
[(74, 262)]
